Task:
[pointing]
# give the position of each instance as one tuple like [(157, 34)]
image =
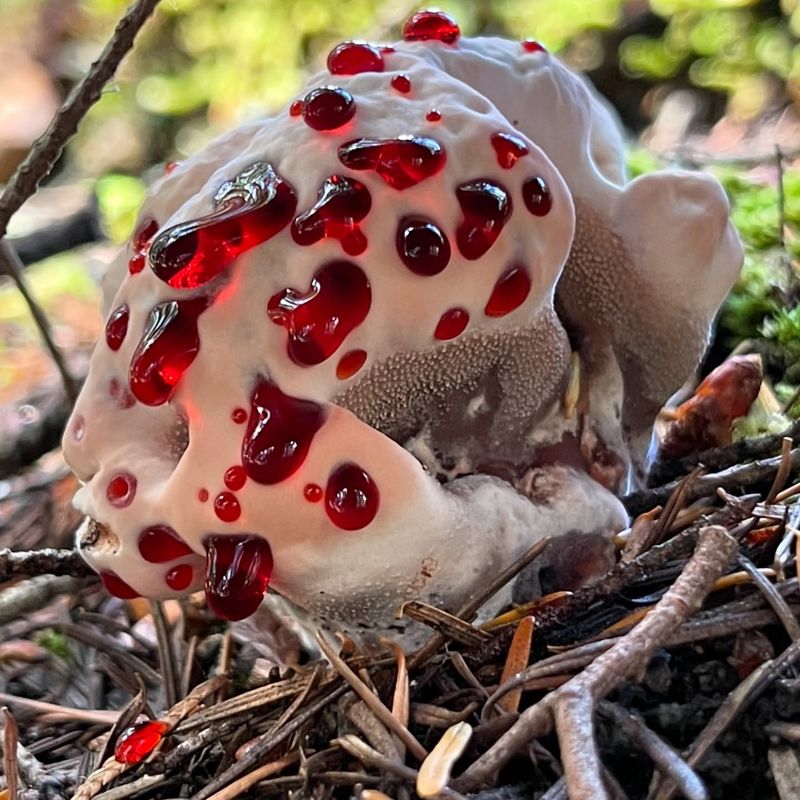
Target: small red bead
[(351, 498), (171, 166), (202, 495), (431, 25), (350, 363), (451, 324), (296, 108), (312, 492), (401, 83), (510, 292), (328, 108), (117, 327), (239, 416), (433, 115), (509, 149), (532, 46), (160, 543), (352, 58), (227, 507), (235, 478), (138, 741), (121, 490), (116, 586), (537, 197), (136, 264), (179, 577)]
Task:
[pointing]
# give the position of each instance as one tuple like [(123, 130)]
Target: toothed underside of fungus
[(339, 353)]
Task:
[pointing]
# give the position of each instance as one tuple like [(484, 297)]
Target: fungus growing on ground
[(339, 357)]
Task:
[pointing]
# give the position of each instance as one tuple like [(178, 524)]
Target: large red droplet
[(227, 507), (352, 58), (319, 320), (351, 498), (117, 327), (451, 324), (328, 108), (136, 742), (121, 490), (342, 203), (510, 291), (238, 569), (235, 478), (279, 433), (402, 162), (425, 25), (350, 363), (509, 148), (168, 346), (251, 209), (537, 197), (422, 246), (116, 586), (179, 577), (486, 207), (401, 83), (160, 543), (142, 236)]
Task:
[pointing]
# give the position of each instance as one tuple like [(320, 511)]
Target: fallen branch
[(626, 659), (48, 561)]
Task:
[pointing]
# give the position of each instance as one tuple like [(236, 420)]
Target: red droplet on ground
[(433, 115), (238, 569), (422, 246), (136, 742), (116, 586), (341, 204), (353, 58), (227, 507), (202, 495), (144, 232), (509, 149), (486, 207), (160, 543), (192, 253), (351, 498), (451, 324), (350, 363), (401, 83), (319, 320), (431, 25), (312, 492), (235, 478), (117, 327), (179, 577), (510, 292), (239, 416), (537, 197), (171, 166), (532, 46), (328, 108), (402, 162), (121, 394), (279, 433), (168, 346), (296, 108), (121, 490)]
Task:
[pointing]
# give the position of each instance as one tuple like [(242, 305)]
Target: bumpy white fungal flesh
[(325, 311)]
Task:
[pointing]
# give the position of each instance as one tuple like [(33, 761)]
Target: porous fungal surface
[(371, 349)]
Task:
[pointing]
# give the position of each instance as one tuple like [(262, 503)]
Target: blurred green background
[(718, 77)]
